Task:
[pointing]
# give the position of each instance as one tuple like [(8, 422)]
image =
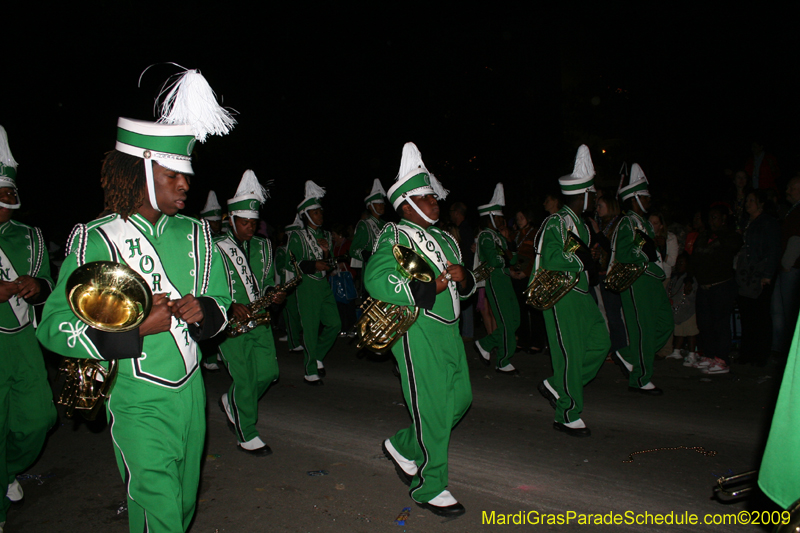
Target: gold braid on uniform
[(123, 181)]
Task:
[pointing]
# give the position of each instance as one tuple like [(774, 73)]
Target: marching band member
[(26, 401), (315, 302), (494, 250), (157, 406), (431, 358), (645, 304), (294, 328), (212, 213), (367, 231), (576, 330), (250, 356)]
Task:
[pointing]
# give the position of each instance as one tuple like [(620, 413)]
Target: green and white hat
[(189, 113), (413, 179), (248, 198), (8, 169), (212, 210), (297, 225), (377, 194), (582, 178), (314, 193), (637, 185), (496, 205)]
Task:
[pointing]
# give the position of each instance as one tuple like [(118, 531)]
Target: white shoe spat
[(576, 424), (14, 492), (409, 467), (253, 444), (444, 499)]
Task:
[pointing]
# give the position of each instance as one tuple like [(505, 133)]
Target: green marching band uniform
[(315, 302), (491, 249), (211, 213), (576, 331), (779, 475), (291, 315), (27, 411), (249, 357), (645, 304), (156, 410), (367, 231), (430, 355)]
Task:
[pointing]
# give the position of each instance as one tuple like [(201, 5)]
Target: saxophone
[(482, 272), (622, 275), (259, 314), (548, 286)]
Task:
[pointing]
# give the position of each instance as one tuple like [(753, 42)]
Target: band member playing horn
[(316, 305), (430, 355), (576, 331), (26, 408), (249, 357), (493, 249), (645, 305), (157, 406)]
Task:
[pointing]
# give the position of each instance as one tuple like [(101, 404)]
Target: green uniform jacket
[(303, 244), (365, 237), (175, 256), (249, 265), (491, 248), (624, 250), (551, 239), (385, 282), (23, 252)]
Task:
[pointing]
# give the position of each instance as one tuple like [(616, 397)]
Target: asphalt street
[(327, 472)]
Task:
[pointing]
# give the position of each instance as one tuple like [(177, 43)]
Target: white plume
[(499, 196), (191, 101), (313, 190), (583, 163), (411, 160), (212, 202), (250, 185), (5, 151)]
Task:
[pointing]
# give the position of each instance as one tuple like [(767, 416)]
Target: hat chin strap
[(420, 213), (640, 204), (151, 189), (586, 199), (11, 206)]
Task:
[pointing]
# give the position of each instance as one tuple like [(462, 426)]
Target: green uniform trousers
[(505, 308), (317, 306), (158, 437), (579, 344), (253, 366), (649, 323), (291, 316), (26, 406), (437, 390)]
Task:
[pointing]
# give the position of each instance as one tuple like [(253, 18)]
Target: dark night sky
[(331, 94)]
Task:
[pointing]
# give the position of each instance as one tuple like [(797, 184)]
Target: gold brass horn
[(109, 297), (381, 323), (548, 286), (622, 275)]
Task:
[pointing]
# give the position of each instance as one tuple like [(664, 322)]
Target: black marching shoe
[(512, 372), (321, 372), (451, 511), (546, 394), (620, 362), (647, 392), (485, 359), (404, 476), (573, 432), (313, 383), (261, 451)]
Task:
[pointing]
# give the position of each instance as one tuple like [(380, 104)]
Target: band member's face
[(245, 227), (315, 216), (428, 205), (645, 201), (171, 189), (8, 196), (215, 225), (377, 208)]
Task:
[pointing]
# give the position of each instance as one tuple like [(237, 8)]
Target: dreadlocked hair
[(124, 184)]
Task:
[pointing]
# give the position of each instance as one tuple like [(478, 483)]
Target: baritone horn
[(109, 297), (381, 323), (548, 286), (622, 275)]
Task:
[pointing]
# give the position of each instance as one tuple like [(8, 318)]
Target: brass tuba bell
[(381, 323), (548, 286), (110, 297)]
